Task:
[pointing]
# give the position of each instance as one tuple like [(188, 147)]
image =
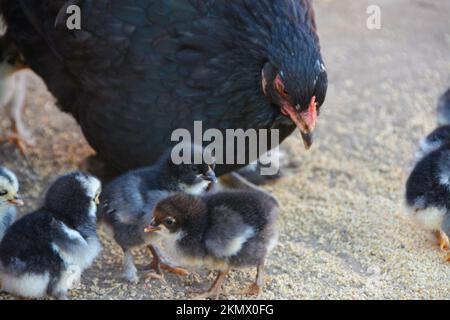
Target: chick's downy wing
[(227, 233)]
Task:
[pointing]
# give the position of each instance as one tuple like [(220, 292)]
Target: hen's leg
[(21, 136)]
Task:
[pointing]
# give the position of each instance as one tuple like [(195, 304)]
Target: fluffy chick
[(221, 231), (9, 199), (127, 203), (13, 89), (428, 194), (45, 252)]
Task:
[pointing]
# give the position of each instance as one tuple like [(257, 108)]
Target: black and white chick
[(9, 199), (13, 90), (45, 252), (220, 231), (127, 203), (428, 194), (440, 135)]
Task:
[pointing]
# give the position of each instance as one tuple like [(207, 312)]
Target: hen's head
[(295, 80)]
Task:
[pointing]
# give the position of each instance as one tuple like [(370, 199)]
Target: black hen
[(139, 69)]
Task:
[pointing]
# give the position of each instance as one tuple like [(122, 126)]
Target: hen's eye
[(279, 85), (3, 193), (169, 221)]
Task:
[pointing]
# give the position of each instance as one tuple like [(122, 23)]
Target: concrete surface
[(344, 234)]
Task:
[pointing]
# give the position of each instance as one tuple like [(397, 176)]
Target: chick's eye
[(169, 221), (3, 193), (195, 169)]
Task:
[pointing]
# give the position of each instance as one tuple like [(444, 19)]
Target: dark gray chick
[(221, 231), (127, 203)]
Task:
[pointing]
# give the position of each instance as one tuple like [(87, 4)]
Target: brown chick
[(221, 231)]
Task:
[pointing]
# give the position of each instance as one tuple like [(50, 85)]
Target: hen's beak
[(16, 201), (305, 121)]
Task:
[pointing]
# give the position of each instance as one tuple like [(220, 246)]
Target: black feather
[(137, 70)]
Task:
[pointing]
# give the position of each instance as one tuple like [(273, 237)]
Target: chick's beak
[(305, 121), (17, 201), (151, 229)]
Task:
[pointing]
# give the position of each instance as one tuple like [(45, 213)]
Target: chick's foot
[(443, 240)]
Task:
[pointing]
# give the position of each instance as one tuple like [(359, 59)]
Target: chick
[(45, 252), (13, 89), (221, 231), (127, 203), (428, 194), (9, 199)]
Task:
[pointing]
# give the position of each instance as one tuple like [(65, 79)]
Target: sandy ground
[(344, 234)]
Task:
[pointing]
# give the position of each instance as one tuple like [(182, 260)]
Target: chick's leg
[(129, 269), (215, 290), (443, 240), (442, 235), (156, 262), (255, 288), (56, 287), (157, 265)]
